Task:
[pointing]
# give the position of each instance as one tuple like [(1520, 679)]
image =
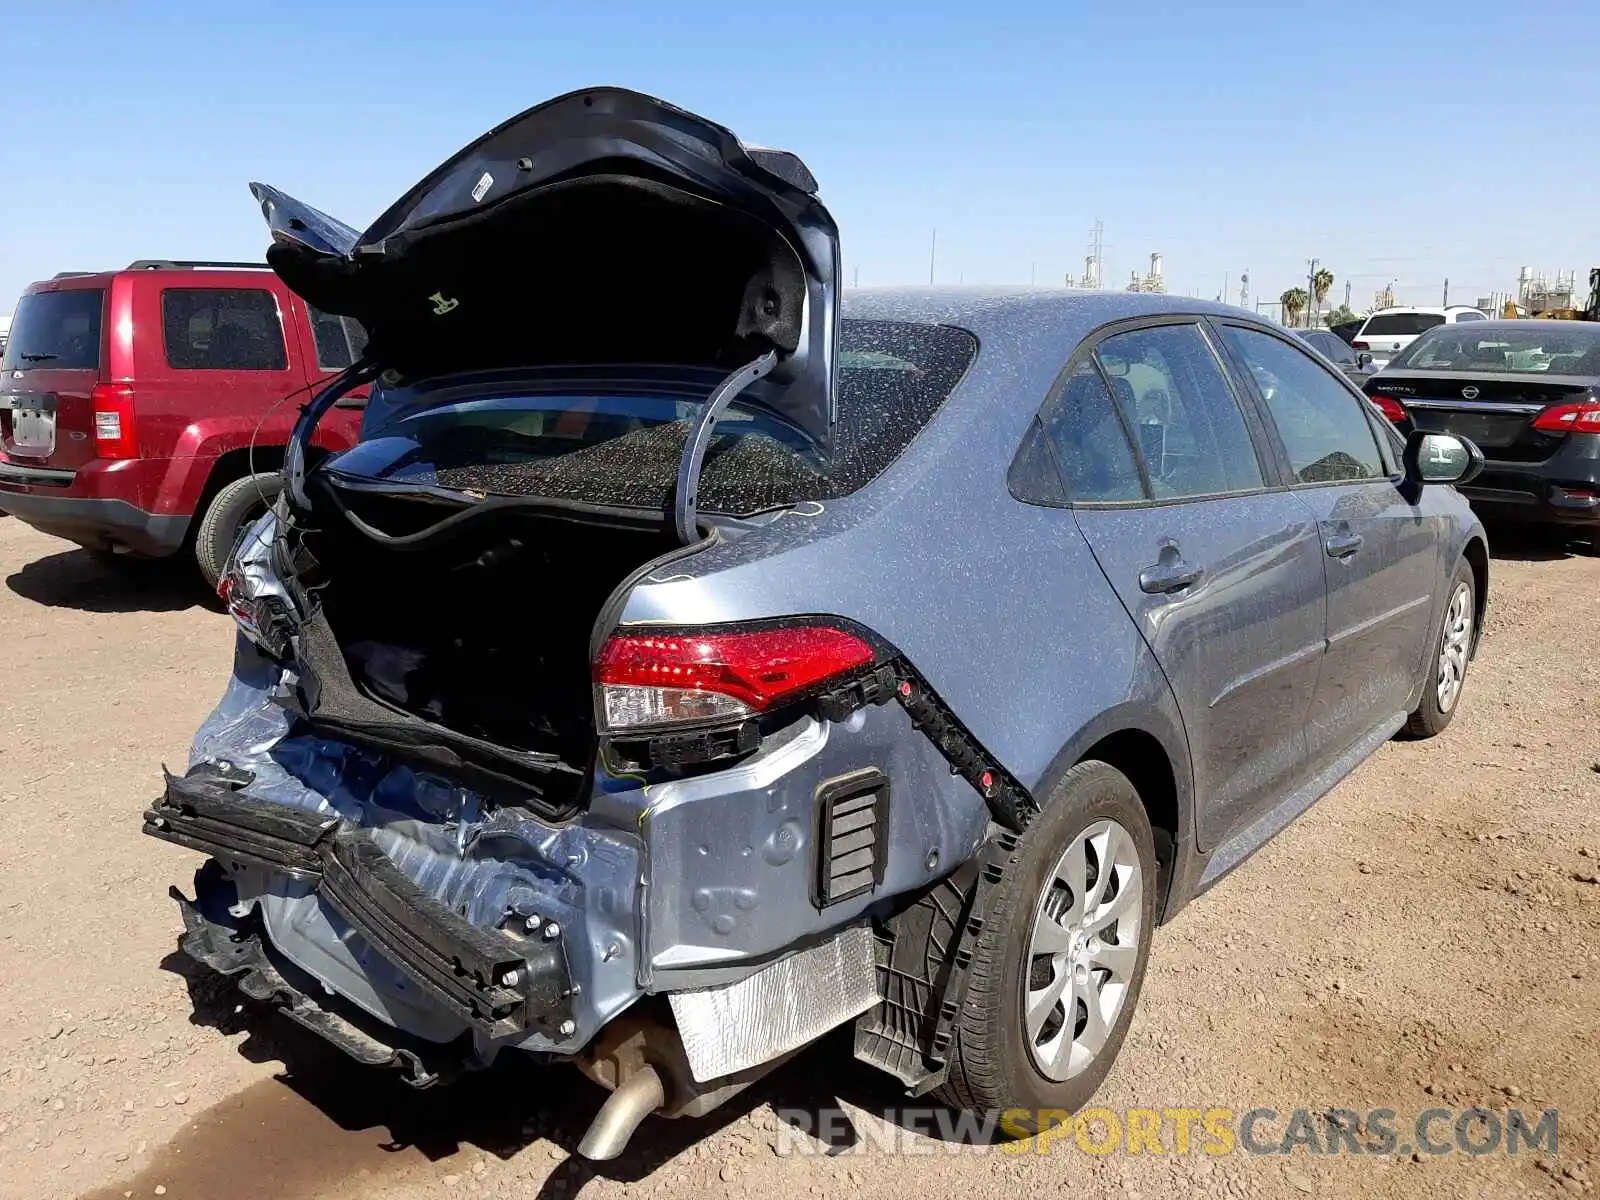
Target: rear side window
[(1089, 440), (1400, 324), (339, 340), (1186, 424), (222, 329), (1323, 426), (619, 440), (1470, 316), (58, 330)]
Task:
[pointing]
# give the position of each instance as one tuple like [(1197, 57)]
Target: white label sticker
[(481, 188)]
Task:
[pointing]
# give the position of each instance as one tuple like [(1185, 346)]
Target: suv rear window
[(619, 442), (1400, 324), (222, 329), (340, 340), (58, 330)]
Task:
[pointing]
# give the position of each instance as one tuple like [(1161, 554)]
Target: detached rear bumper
[(499, 984)]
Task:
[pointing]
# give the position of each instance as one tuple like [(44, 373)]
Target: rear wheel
[(1057, 970), (233, 508), (1448, 663)]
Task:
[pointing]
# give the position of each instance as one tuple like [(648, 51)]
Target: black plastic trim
[(466, 969)]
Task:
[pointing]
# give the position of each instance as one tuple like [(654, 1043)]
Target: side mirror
[(1440, 458), (1363, 359)]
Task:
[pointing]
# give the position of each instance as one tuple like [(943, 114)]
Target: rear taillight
[(1582, 417), (1388, 406), (1359, 346), (671, 677), (114, 433)]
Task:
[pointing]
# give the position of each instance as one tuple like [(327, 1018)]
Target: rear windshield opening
[(619, 442), (1400, 324), (56, 330)]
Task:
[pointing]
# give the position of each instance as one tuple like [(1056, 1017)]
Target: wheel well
[(1477, 556), (231, 465), (1141, 757)]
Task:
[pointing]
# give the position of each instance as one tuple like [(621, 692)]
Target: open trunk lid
[(603, 226)]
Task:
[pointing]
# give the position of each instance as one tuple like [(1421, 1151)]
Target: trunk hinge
[(294, 454), (685, 500)]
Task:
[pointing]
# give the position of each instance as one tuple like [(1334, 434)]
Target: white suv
[(1390, 330)]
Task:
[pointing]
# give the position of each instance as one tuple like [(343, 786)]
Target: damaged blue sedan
[(686, 663)]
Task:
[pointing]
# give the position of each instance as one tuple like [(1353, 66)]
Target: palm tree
[(1321, 285), (1294, 303)]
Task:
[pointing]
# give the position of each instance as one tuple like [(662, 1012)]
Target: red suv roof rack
[(175, 264)]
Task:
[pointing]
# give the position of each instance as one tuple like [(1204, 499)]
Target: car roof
[(187, 269), (1056, 314), (1436, 309), (1528, 325)]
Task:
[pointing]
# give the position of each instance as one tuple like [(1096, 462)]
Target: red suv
[(145, 411)]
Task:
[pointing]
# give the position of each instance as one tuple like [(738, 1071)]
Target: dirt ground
[(1427, 936)]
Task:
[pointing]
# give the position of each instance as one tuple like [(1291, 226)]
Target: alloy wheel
[(1083, 950), (1455, 644)]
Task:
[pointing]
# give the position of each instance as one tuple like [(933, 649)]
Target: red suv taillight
[(675, 676), (1359, 346), (114, 432), (1388, 406), (1582, 417)]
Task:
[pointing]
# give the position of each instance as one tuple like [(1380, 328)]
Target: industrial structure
[(1152, 282)]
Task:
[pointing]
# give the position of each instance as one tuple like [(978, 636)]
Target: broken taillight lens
[(669, 677)]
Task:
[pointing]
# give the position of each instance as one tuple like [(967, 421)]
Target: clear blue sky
[(1400, 140)]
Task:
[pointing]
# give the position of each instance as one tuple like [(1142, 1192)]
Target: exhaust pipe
[(623, 1112)]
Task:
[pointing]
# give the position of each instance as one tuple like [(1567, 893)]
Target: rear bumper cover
[(99, 524), (1560, 490)]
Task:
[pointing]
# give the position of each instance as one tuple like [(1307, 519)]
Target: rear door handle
[(1170, 574), (1342, 544)]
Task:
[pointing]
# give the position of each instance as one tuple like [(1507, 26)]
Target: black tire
[(231, 509), (1430, 719), (992, 1068)]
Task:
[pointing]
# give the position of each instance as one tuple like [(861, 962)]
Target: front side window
[(1322, 425), (1186, 424), (222, 329), (1089, 440)]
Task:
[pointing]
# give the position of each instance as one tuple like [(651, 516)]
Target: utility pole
[(1446, 291), (1347, 293), (857, 282), (1033, 274), (933, 249), (1311, 294)]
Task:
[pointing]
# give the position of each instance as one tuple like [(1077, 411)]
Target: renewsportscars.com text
[(1213, 1131)]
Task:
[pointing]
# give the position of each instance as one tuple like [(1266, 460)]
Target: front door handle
[(1170, 574), (1342, 544)]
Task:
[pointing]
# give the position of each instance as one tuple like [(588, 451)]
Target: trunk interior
[(481, 627)]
